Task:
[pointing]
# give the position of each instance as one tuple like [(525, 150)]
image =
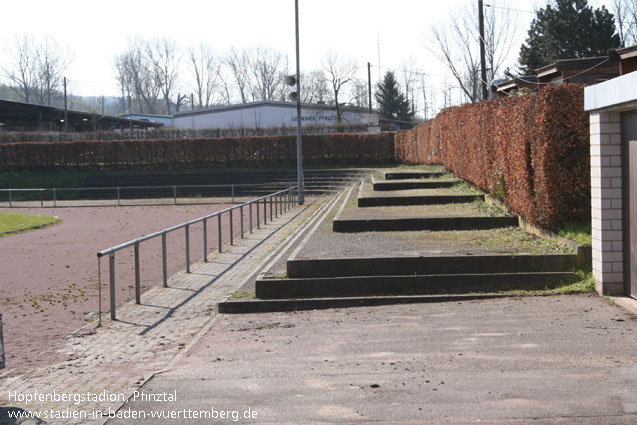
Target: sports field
[(49, 276)]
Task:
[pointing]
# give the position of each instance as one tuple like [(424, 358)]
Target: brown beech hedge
[(530, 151), (272, 151)]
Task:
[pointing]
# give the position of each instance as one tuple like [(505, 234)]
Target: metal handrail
[(285, 199)]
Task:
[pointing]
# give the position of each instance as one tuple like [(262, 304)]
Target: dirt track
[(48, 277)]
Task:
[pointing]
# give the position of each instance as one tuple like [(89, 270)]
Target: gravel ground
[(49, 276)]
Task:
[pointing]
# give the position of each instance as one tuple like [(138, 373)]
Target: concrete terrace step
[(299, 304), (413, 265), (388, 201), (405, 175), (360, 286), (412, 184), (421, 223)]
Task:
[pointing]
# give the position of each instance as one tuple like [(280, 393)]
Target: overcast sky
[(96, 31)]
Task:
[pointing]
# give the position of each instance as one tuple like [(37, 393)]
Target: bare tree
[(52, 62), (408, 74), (22, 69), (163, 55), (456, 44), (625, 12), (136, 75), (267, 68), (205, 71), (313, 87), (238, 64), (339, 73)]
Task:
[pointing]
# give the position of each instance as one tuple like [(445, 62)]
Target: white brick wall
[(606, 203)]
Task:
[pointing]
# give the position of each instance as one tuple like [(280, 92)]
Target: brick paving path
[(115, 360)]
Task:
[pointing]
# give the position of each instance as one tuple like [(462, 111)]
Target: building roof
[(291, 105), (27, 114), (568, 64)]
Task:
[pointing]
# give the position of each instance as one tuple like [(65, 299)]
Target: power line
[(508, 8)]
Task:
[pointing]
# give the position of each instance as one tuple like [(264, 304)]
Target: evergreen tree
[(391, 101), (567, 29)]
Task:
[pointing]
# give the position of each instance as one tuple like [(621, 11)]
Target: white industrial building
[(166, 120), (269, 114)]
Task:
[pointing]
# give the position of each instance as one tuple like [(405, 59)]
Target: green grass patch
[(12, 223), (243, 295), (577, 232)]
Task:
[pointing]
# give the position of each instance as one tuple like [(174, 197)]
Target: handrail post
[(250, 205), (187, 231), (258, 215), (111, 267), (138, 291), (118, 197), (205, 240), (271, 217), (164, 261), (231, 231), (241, 214), (219, 230), (265, 210)]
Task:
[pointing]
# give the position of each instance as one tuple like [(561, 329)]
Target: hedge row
[(530, 151), (269, 151)]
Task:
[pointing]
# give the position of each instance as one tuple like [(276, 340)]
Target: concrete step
[(411, 184), (361, 286), (390, 201), (416, 265), (405, 175), (421, 223), (256, 305)]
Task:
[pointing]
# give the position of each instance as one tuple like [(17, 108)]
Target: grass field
[(12, 223)]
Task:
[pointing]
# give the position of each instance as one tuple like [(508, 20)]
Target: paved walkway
[(104, 366), (543, 360)]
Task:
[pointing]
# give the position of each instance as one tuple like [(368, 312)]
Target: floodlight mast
[(299, 129)]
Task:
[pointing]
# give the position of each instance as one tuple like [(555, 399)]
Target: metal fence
[(278, 203), (124, 195)]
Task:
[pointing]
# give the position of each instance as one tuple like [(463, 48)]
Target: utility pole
[(66, 114), (130, 117), (369, 85), (299, 128), (483, 65)]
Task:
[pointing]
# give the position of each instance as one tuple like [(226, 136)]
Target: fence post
[(41, 197), (118, 197), (187, 248), (164, 261), (265, 210), (205, 240), (54, 198), (271, 216), (111, 266), (241, 214), (231, 232), (10, 200), (138, 291), (219, 230), (232, 193)]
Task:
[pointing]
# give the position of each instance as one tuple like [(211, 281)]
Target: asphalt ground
[(544, 360)]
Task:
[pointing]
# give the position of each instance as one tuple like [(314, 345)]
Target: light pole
[(299, 129)]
